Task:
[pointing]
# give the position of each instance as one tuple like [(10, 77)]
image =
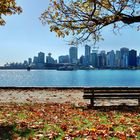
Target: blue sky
[(24, 36)]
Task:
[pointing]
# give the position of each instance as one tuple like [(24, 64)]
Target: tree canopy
[(8, 7), (84, 19)]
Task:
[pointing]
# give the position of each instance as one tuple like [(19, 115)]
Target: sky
[(24, 36)]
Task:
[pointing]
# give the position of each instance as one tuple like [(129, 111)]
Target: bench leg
[(91, 102)]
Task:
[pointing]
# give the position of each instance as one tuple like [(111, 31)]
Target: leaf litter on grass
[(56, 121)]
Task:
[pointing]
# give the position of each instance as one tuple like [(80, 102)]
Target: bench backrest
[(112, 90)]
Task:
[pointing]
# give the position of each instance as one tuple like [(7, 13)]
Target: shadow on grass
[(8, 132), (120, 108)]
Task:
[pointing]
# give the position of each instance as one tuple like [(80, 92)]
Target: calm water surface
[(90, 78)]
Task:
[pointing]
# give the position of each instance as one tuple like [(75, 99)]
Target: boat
[(66, 68)]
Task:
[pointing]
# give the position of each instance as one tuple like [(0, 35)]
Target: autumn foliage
[(67, 122), (84, 19), (8, 7)]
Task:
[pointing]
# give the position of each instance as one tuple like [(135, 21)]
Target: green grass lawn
[(67, 122)]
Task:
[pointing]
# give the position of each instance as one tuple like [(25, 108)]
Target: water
[(86, 78)]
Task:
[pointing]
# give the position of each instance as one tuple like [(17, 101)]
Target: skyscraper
[(138, 61), (73, 54), (87, 55), (111, 59), (29, 61), (35, 60), (64, 59), (49, 59), (132, 59), (82, 60), (102, 59), (41, 58), (124, 57), (94, 58), (118, 59)]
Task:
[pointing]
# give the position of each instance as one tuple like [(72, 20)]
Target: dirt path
[(51, 95)]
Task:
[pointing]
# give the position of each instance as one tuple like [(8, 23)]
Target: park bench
[(111, 93)]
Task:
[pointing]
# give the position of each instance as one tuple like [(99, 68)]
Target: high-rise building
[(82, 60), (24, 63), (132, 59), (64, 59), (102, 59), (110, 59), (49, 59), (118, 59), (29, 61), (87, 55), (124, 57), (41, 57), (138, 61), (94, 58), (73, 54), (35, 60)]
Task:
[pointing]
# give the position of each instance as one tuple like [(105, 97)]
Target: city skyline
[(122, 58), (24, 35), (67, 53)]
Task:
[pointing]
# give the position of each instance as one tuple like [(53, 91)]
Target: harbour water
[(77, 78)]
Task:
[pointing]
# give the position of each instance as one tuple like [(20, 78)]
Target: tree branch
[(130, 19)]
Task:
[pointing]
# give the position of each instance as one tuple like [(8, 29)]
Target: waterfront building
[(41, 57), (73, 54), (124, 57), (25, 63), (87, 55), (49, 59), (132, 59), (110, 61), (29, 61), (41, 60), (118, 59), (35, 60), (99, 60), (102, 59), (55, 61), (138, 61), (82, 60), (94, 58), (64, 59)]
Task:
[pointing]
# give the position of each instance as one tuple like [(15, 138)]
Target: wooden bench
[(111, 93)]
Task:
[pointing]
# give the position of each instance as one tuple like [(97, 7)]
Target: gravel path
[(43, 95)]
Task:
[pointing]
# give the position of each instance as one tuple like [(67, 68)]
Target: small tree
[(84, 19), (8, 7)]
